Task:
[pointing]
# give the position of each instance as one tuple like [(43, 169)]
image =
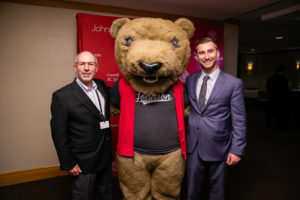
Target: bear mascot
[(152, 54)]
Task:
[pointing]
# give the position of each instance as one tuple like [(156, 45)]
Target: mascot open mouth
[(150, 79)]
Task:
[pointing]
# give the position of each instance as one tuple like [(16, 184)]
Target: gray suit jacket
[(220, 127)]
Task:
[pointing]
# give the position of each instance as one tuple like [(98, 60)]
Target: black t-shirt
[(155, 123)]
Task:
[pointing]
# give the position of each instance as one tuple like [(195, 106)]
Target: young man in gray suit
[(81, 132), (216, 135)]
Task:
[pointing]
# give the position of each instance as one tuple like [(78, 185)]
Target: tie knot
[(205, 78)]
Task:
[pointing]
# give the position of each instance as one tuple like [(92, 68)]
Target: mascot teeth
[(150, 79)]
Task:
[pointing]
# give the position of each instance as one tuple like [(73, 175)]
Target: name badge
[(104, 125)]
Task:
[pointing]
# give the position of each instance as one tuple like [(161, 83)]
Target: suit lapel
[(104, 94), (80, 95), (216, 89), (194, 98)]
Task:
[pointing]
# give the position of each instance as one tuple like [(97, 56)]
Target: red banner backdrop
[(93, 35), (216, 33)]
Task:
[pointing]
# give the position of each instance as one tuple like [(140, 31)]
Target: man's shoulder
[(230, 77), (192, 76), (63, 89), (99, 82)]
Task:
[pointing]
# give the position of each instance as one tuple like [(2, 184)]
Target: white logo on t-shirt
[(146, 99)]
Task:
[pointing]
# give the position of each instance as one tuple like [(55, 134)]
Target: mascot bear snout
[(150, 68)]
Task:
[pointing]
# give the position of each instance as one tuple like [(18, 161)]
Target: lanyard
[(101, 113)]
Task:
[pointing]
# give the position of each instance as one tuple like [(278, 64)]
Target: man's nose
[(206, 56), (86, 67)]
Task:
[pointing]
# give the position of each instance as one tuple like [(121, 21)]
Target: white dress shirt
[(91, 93), (210, 83)]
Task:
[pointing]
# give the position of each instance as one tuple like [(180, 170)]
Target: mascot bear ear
[(116, 26), (186, 25)]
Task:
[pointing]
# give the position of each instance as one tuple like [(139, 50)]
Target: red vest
[(126, 123)]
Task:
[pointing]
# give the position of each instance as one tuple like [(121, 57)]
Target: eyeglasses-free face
[(207, 55)]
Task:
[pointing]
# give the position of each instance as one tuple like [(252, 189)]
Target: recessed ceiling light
[(279, 37), (252, 49)]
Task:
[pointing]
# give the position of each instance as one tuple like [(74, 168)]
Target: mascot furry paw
[(151, 54)]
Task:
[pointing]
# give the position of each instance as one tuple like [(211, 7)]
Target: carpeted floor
[(270, 169)]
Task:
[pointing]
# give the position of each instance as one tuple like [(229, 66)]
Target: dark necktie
[(203, 92)]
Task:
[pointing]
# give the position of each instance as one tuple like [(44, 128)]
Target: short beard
[(209, 69)]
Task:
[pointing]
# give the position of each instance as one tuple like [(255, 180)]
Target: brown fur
[(187, 112), (145, 177), (164, 181), (114, 111), (152, 43)]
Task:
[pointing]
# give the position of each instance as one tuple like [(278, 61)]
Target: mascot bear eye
[(175, 42), (128, 40)]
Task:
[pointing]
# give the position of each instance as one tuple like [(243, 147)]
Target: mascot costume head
[(151, 54)]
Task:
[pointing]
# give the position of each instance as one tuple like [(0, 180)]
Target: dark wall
[(264, 65)]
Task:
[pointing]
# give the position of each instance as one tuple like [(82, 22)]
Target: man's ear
[(75, 68), (197, 56)]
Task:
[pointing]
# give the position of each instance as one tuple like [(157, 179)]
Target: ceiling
[(260, 21)]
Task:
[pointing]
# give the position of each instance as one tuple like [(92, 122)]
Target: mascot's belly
[(150, 137)]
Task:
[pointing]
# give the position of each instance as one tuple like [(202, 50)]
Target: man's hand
[(233, 159), (75, 171)]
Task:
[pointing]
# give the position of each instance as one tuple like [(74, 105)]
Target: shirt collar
[(83, 86), (212, 76)]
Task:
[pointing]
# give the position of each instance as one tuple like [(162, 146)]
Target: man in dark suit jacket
[(81, 132), (216, 134), (278, 99)]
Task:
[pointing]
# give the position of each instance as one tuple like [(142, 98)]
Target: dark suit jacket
[(76, 132), (221, 126)]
